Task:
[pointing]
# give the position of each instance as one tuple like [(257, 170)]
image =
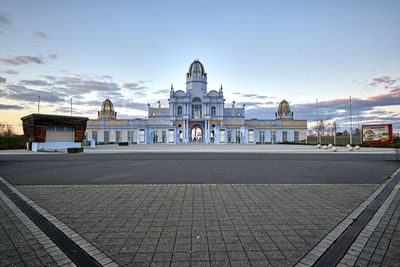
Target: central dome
[(196, 69)]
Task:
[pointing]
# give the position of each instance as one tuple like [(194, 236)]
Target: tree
[(335, 127), (6, 129), (320, 128)]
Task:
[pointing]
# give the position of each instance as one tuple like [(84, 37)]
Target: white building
[(196, 115)]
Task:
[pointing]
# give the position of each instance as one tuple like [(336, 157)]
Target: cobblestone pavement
[(201, 225), (18, 246), (383, 247)]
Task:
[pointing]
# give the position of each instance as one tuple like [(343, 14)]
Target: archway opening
[(196, 133)]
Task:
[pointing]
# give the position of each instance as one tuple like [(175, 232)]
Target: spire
[(172, 87), (221, 87)]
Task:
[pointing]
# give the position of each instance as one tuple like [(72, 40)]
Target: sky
[(260, 51)]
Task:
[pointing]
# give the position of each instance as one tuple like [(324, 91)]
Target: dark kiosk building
[(47, 132)]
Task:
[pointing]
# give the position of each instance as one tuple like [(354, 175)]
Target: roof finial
[(159, 104), (221, 87), (172, 87)]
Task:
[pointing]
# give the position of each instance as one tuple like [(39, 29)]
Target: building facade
[(198, 116)]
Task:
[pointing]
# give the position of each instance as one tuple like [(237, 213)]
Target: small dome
[(196, 69), (107, 110), (107, 106), (284, 110)]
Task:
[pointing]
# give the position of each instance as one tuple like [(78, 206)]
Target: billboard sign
[(377, 133)]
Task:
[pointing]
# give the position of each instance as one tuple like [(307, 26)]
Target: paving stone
[(247, 221)]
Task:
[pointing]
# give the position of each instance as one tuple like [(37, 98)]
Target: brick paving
[(18, 245), (383, 247), (201, 225)]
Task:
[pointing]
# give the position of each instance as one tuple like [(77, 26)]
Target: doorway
[(196, 134)]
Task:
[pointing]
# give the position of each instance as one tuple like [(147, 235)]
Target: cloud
[(395, 89), (83, 86), (134, 105), (22, 93), (19, 60), (385, 80), (254, 96), (4, 19), (7, 107), (50, 77), (10, 72), (34, 82), (134, 86), (53, 56), (107, 77), (162, 91), (39, 35), (140, 94), (2, 80)]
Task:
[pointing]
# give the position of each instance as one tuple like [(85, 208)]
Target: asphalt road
[(195, 168)]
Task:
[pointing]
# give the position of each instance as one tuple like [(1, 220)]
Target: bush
[(12, 142)]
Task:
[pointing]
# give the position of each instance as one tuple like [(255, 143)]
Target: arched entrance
[(196, 134)]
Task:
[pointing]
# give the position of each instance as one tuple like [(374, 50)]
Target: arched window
[(180, 111), (213, 111), (196, 99)]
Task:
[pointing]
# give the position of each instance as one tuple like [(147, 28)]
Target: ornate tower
[(196, 78)]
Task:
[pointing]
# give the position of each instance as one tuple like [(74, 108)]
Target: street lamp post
[(351, 126)]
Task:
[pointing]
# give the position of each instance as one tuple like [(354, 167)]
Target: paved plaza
[(220, 223)]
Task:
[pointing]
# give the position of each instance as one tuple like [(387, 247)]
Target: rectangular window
[(163, 136), (130, 136), (222, 135), (296, 136), (230, 136), (117, 136), (60, 128), (251, 136), (94, 136), (141, 136), (196, 111), (238, 135), (284, 136), (273, 136), (171, 136), (262, 137), (106, 136)]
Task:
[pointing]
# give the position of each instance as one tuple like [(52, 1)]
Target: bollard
[(330, 145), (334, 149), (325, 147), (318, 146), (357, 147)]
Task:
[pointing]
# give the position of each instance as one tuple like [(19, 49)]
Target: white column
[(184, 131), (206, 133)]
